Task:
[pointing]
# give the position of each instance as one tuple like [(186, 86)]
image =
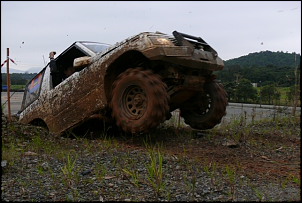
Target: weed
[(147, 139), (68, 170), (54, 179), (231, 174), (2, 107), (184, 150), (95, 192), (88, 144), (191, 187), (134, 176), (209, 172), (155, 171), (114, 161), (39, 183), (40, 170), (236, 137), (49, 149), (9, 153), (283, 184), (115, 144), (214, 131), (11, 127), (100, 171), (259, 195), (208, 137), (168, 196), (70, 134), (296, 180), (69, 198)]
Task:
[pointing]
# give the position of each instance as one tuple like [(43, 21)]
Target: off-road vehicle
[(135, 84)]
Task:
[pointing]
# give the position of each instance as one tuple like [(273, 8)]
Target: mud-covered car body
[(184, 63)]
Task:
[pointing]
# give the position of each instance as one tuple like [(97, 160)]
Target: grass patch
[(198, 163)]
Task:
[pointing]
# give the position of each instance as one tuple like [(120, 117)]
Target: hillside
[(269, 67), (264, 58), (31, 70)]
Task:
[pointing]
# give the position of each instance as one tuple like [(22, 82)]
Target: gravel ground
[(44, 167)]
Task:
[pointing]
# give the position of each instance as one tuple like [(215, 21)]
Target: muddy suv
[(134, 84)]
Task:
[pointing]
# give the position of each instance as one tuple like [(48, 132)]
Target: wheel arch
[(125, 61), (39, 122)]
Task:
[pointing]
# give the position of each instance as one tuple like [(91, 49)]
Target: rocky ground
[(238, 162)]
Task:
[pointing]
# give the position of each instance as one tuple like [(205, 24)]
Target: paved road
[(234, 110), (249, 111), (15, 101)]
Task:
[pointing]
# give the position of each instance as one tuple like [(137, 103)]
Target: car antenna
[(44, 60)]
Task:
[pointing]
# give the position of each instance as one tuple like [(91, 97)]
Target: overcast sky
[(31, 29)]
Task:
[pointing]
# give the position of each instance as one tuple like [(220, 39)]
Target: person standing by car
[(56, 79)]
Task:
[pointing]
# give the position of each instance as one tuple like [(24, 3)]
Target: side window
[(32, 90), (62, 72), (62, 67)]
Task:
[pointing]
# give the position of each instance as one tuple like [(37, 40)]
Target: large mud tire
[(139, 101), (206, 109)]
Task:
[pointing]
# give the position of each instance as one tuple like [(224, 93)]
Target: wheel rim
[(210, 107), (205, 106), (135, 104), (202, 106)]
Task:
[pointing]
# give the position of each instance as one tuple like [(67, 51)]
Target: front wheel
[(139, 100), (207, 108)]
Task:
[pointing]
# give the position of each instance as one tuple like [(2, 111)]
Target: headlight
[(164, 41), (161, 41)]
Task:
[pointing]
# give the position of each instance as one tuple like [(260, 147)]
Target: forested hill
[(264, 58), (269, 67)]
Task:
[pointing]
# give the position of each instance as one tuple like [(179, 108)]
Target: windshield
[(96, 47)]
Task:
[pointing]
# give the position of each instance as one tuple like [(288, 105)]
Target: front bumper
[(185, 56)]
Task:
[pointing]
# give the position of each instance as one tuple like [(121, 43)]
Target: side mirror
[(81, 62)]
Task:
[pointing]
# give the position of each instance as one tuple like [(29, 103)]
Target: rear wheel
[(206, 109), (139, 100)]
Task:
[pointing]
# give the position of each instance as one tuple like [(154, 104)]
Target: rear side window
[(96, 47), (32, 90)]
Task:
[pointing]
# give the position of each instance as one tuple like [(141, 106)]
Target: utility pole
[(296, 88), (260, 93), (8, 86)]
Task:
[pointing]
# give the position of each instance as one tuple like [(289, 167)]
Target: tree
[(277, 96), (245, 91), (269, 93), (290, 94), (230, 89)]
